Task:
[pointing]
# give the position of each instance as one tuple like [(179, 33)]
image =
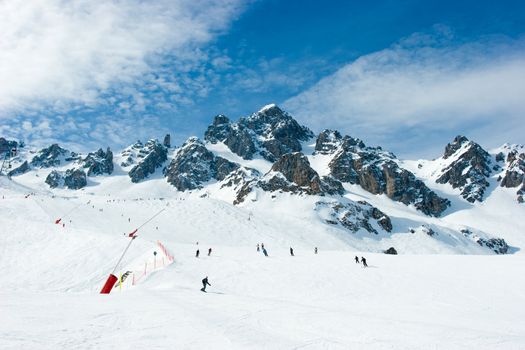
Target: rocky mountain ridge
[(290, 155)]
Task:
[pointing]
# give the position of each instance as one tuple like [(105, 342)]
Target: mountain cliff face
[(513, 175), (270, 156), (468, 168), (377, 172), (271, 132), (147, 159), (292, 173), (194, 165)]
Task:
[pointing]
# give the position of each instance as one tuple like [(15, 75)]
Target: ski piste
[(112, 279), (58, 221)]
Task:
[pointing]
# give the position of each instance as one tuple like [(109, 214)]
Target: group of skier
[(265, 252)]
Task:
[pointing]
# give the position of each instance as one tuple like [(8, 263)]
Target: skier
[(204, 284), (315, 250), (264, 251), (262, 245), (356, 260), (363, 260), (291, 251), (209, 251), (197, 253), (258, 248)]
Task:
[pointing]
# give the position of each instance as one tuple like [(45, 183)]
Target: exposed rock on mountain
[(132, 154), (53, 156), (239, 178), (22, 169), (194, 165), (293, 173), (514, 173), (270, 132), (72, 179), (167, 141), (329, 141), (75, 179), (148, 158), (377, 172), (354, 216), (391, 251), (54, 179), (99, 162), (498, 245), (236, 136), (468, 168)]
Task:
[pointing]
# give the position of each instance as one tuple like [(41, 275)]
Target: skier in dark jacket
[(209, 251), (265, 252), (197, 253), (291, 251), (205, 283), (315, 250), (258, 249), (363, 260), (356, 260)]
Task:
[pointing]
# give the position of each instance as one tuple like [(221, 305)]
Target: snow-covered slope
[(447, 280), (51, 276)]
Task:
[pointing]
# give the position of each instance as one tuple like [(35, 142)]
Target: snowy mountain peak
[(270, 133), (466, 166), (259, 162)]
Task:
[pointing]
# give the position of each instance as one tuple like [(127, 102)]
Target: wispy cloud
[(422, 91), (122, 57), (60, 51)]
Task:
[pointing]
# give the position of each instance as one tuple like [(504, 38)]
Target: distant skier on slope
[(363, 260), (356, 260), (315, 250), (291, 251), (204, 284), (209, 251), (197, 253), (264, 251), (258, 248)]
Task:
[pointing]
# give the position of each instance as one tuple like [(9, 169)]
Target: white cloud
[(426, 89), (58, 52)]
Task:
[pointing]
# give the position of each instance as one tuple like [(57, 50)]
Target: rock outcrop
[(53, 156), (514, 169), (75, 179), (99, 162), (167, 141), (293, 173), (72, 179), (54, 179), (354, 216), (378, 172), (149, 158), (391, 251), (468, 168), (22, 169), (497, 245), (195, 165), (271, 132)]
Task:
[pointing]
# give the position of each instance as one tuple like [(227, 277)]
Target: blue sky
[(407, 75)]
